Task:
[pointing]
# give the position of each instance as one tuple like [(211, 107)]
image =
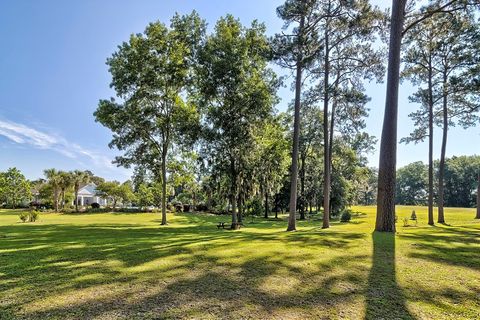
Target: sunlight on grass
[(110, 266)]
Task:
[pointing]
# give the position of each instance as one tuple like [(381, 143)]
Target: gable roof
[(88, 190)]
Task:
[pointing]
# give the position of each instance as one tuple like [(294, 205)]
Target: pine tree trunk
[(478, 198), (164, 187), (296, 136), (385, 220), (326, 138), (441, 172), (302, 186), (233, 195), (430, 143), (266, 204)]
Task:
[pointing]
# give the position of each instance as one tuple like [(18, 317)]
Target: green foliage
[(24, 216), (346, 215), (151, 75), (14, 188), (412, 182)]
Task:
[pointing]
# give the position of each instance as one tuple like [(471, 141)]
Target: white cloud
[(22, 134)]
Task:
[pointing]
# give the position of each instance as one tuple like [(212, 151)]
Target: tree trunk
[(478, 198), (385, 220), (302, 186), (266, 203), (430, 143), (76, 199), (233, 195), (441, 169), (55, 199), (296, 136), (240, 209), (164, 187), (326, 138)]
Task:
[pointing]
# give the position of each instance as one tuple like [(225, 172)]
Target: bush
[(201, 207), (95, 205), (23, 216), (34, 216), (346, 216), (405, 222), (186, 208)]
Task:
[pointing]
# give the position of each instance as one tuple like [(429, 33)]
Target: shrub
[(201, 207), (413, 216), (346, 216), (95, 205), (186, 208), (33, 216), (405, 222), (24, 216)]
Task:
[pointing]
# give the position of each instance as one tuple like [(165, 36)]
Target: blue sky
[(53, 72)]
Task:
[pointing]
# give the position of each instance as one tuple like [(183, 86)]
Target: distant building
[(88, 195)]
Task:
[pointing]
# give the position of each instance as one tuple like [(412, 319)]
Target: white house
[(88, 195)]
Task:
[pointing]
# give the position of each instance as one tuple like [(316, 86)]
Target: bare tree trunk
[(266, 203), (478, 198), (76, 199), (234, 192), (296, 136), (441, 172), (164, 187), (326, 138), (302, 186), (430, 143), (240, 209), (385, 220)]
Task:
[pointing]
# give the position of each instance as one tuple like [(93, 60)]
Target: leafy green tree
[(66, 184), (14, 187), (151, 74), (237, 92), (271, 162), (116, 192), (461, 174), (54, 179), (78, 179), (144, 196), (412, 182)]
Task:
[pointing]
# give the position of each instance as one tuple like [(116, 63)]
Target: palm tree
[(65, 184), (54, 179), (79, 178)]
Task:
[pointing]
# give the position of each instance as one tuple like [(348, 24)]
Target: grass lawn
[(126, 266)]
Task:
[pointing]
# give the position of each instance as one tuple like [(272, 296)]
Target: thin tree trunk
[(478, 198), (164, 187), (302, 186), (385, 220), (441, 172), (296, 136), (233, 195), (266, 203), (326, 138), (430, 143), (76, 199), (240, 209)]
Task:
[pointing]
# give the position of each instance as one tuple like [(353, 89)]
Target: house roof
[(88, 190)]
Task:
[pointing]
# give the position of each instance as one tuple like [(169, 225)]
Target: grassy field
[(125, 266)]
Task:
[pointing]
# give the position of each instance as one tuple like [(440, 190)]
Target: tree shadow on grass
[(385, 299)]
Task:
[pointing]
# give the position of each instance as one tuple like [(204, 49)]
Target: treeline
[(181, 90), (460, 179)]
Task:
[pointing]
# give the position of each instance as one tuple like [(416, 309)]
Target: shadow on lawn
[(193, 270), (138, 271), (385, 299)]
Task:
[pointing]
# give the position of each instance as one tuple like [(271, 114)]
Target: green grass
[(126, 266)]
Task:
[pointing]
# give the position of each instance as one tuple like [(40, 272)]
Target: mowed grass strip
[(127, 266)]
